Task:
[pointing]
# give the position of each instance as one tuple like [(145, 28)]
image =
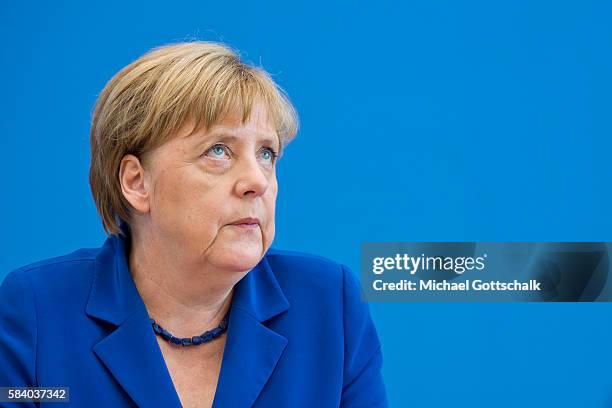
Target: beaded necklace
[(205, 337)]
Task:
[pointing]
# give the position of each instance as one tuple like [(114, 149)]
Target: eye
[(217, 151), (268, 154)]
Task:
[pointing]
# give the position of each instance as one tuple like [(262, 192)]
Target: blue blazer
[(299, 335)]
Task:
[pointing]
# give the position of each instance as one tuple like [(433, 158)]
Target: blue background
[(429, 121)]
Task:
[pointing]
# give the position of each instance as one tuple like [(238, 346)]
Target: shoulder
[(302, 260), (317, 277), (304, 267), (55, 275), (82, 255)]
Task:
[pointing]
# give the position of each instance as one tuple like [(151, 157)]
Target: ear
[(133, 185)]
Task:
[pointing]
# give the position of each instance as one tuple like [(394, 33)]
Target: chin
[(240, 258)]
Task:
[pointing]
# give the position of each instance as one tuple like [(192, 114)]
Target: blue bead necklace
[(205, 337)]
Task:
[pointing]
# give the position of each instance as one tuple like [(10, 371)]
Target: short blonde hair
[(148, 101)]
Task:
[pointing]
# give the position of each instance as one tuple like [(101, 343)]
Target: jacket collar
[(114, 297), (132, 354)]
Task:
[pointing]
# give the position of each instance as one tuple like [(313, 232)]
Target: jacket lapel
[(130, 352), (252, 350), (132, 355)]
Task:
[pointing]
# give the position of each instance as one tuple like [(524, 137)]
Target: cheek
[(186, 204), (270, 197), (270, 204)]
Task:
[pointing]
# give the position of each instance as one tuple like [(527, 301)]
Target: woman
[(185, 304)]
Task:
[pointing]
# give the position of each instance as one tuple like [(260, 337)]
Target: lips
[(246, 222)]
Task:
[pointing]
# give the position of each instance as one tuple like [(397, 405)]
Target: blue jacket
[(299, 335)]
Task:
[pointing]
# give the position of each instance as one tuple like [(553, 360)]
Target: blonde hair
[(148, 101)]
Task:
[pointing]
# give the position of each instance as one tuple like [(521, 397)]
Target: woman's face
[(203, 186)]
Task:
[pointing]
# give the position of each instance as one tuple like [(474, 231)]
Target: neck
[(186, 298)]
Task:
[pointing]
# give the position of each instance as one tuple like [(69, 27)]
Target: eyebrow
[(228, 137)]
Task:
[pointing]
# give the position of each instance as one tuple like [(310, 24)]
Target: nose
[(251, 180)]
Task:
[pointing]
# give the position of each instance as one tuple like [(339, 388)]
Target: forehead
[(258, 127)]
